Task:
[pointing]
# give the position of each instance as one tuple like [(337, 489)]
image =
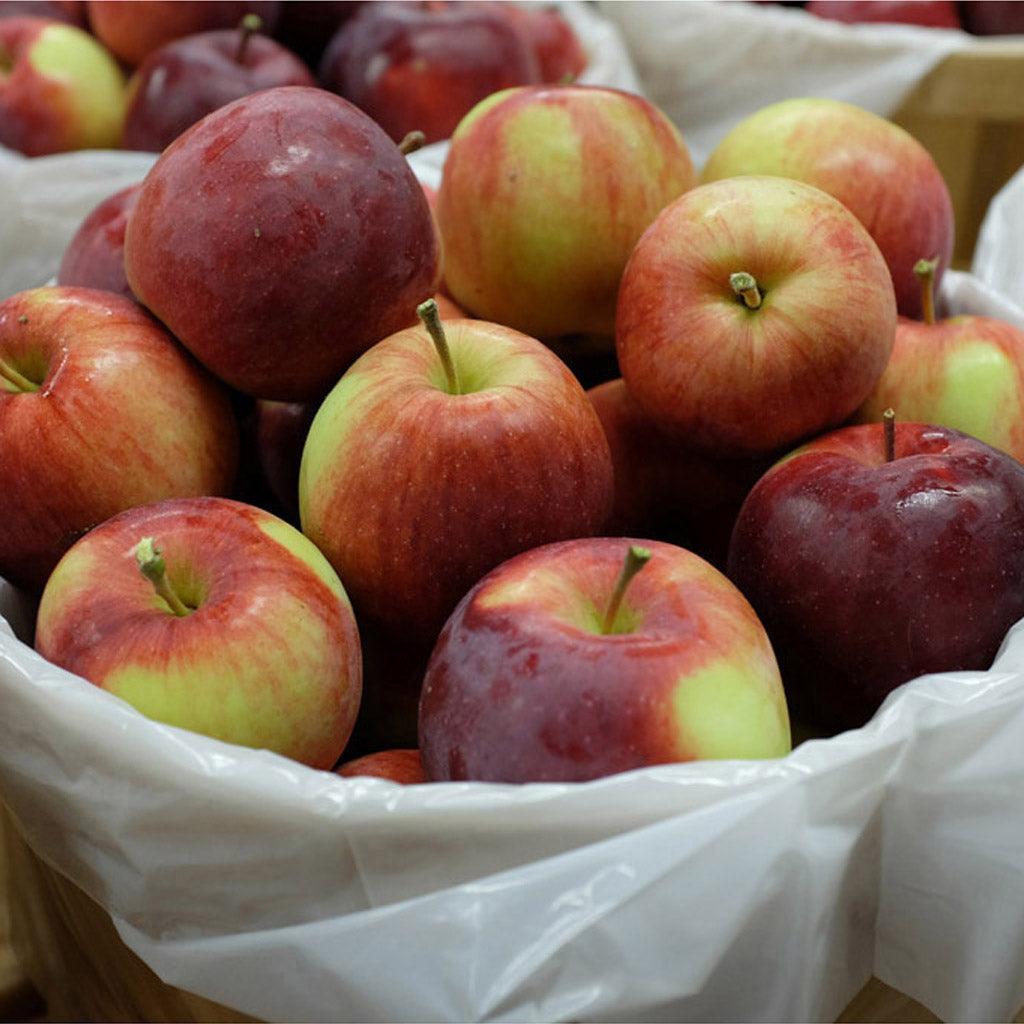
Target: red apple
[(490, 445), (184, 80), (872, 166), (94, 257), (280, 433), (59, 89), (550, 670), (403, 765), (133, 29), (929, 13), (414, 66), (70, 11), (560, 53), (100, 410), (753, 312), (868, 571), (279, 238), (213, 616), (993, 17)]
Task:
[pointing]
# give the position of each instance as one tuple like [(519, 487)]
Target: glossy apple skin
[(278, 297), (734, 381), (607, 161), (403, 765), (63, 91), (993, 17), (966, 372), (559, 50), (94, 257), (70, 11), (132, 29), (867, 574), (270, 656), (929, 13), (523, 687), (422, 67), (519, 461), (183, 81), (879, 171), (122, 417)]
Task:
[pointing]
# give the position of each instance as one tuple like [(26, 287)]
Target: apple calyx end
[(745, 286), (427, 312), (636, 558), (151, 564), (413, 140)]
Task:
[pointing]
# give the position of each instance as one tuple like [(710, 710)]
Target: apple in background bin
[(279, 238), (59, 88), (414, 66), (993, 17), (560, 54), (94, 257), (872, 166), (100, 410), (871, 564), (184, 80), (403, 765), (71, 12), (545, 192), (754, 312), (213, 616), (928, 13), (557, 668)]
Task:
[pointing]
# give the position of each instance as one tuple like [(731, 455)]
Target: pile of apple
[(549, 583), (980, 17)]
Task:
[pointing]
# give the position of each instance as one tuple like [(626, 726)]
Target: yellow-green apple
[(872, 166), (403, 765), (94, 257), (544, 193), (439, 455), (188, 78), (279, 238), (131, 29), (754, 311), (59, 88), (965, 372), (100, 410), (550, 669), (214, 616), (873, 563)]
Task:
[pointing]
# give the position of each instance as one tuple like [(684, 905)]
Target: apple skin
[(123, 417), (268, 658), (184, 80), (63, 91), (560, 54), (132, 29), (94, 257), (403, 765), (879, 171), (414, 66), (869, 573), (993, 17), (734, 381), (966, 372), (71, 12), (278, 297), (607, 161), (390, 428), (523, 687), (929, 13)]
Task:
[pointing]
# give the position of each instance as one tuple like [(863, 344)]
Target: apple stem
[(151, 565), (247, 28), (636, 559), (889, 430), (19, 380), (413, 141), (925, 271), (427, 312), (745, 285)]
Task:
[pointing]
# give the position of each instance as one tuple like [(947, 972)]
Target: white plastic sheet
[(999, 254)]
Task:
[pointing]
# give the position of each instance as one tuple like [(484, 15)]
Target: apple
[(545, 191), (214, 616), (872, 166), (186, 79), (966, 372), (993, 17), (70, 11), (872, 562), (753, 312), (560, 53), (551, 670), (59, 89), (279, 238), (94, 257), (414, 66), (403, 765), (100, 410), (132, 29), (306, 26), (438, 455), (929, 13)]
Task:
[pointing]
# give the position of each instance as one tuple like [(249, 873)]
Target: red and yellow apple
[(403, 765)]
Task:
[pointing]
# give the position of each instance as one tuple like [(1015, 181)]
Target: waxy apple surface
[(267, 654), (403, 765), (733, 380), (279, 238), (868, 573), (523, 686), (100, 410)]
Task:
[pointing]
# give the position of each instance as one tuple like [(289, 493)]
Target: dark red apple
[(993, 17), (869, 571), (929, 13), (70, 11), (281, 429), (403, 765)]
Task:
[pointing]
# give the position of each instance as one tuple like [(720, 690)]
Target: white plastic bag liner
[(999, 254)]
